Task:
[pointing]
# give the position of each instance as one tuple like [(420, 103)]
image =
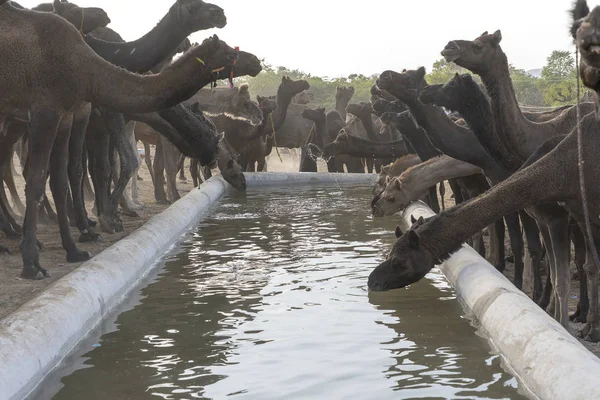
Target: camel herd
[(506, 167), (76, 98)]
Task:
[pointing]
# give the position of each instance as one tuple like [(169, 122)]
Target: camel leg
[(583, 304), (206, 172), (46, 211), (115, 124), (98, 144), (8, 224), (76, 172), (159, 179), (442, 194), (171, 157), (87, 188), (181, 168), (59, 185), (195, 172), (9, 179), (591, 330), (559, 235), (534, 246), (496, 237), (9, 213), (513, 226), (42, 133), (129, 131), (148, 160)]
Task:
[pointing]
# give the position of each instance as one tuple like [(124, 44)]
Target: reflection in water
[(267, 299)]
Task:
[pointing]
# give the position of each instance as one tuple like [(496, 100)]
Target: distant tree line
[(555, 87)]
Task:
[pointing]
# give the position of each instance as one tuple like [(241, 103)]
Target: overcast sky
[(331, 38)]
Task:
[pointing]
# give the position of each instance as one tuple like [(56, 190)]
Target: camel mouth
[(593, 49), (451, 52), (220, 22)]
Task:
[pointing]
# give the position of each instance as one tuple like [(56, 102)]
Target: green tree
[(559, 79), (526, 87), (443, 71)]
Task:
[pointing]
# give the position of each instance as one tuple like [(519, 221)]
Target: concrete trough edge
[(549, 361), (254, 179), (37, 336)]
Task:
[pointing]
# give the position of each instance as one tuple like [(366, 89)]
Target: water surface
[(267, 299)]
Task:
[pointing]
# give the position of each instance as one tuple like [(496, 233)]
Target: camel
[(303, 98), (343, 95), (393, 170), (345, 144), (222, 103), (82, 77), (413, 183), (257, 149)]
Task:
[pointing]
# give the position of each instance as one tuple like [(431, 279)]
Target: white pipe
[(548, 360), (37, 336)]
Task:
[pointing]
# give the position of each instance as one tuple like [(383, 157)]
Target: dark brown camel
[(87, 78), (464, 95), (345, 144), (343, 95), (254, 155)]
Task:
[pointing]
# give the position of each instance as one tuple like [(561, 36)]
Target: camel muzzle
[(451, 52)]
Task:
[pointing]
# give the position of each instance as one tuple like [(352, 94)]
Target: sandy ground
[(15, 291)]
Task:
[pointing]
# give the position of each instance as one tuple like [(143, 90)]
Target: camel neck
[(445, 233), (477, 112), (142, 54), (340, 107), (423, 176), (417, 138), (367, 122), (511, 125), (283, 102)]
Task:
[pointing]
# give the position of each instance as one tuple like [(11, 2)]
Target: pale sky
[(333, 38)]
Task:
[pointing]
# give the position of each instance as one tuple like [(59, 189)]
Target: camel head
[(340, 145), (587, 38), (364, 109), (381, 94), (407, 263), (454, 95), (479, 56), (267, 105), (84, 18), (406, 86), (288, 87), (214, 53), (303, 97), (246, 64), (395, 197), (344, 93), (196, 15), (229, 167), (314, 114), (242, 106), (382, 106)]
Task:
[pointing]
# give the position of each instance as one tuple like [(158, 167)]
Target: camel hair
[(551, 174), (88, 78), (520, 137)]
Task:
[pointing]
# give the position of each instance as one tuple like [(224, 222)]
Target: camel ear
[(195, 107), (483, 34), (385, 169), (497, 37), (421, 73), (414, 240), (259, 99), (412, 219), (398, 231), (221, 136), (421, 220), (397, 184)]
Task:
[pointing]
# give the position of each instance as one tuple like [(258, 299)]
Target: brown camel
[(254, 155), (343, 95), (393, 170), (345, 144), (414, 182), (233, 103), (65, 77), (303, 98)]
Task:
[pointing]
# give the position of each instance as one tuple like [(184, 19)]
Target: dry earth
[(15, 291)]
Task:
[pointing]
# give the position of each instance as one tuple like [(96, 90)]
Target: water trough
[(36, 337)]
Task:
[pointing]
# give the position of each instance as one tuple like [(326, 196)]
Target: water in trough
[(267, 299)]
